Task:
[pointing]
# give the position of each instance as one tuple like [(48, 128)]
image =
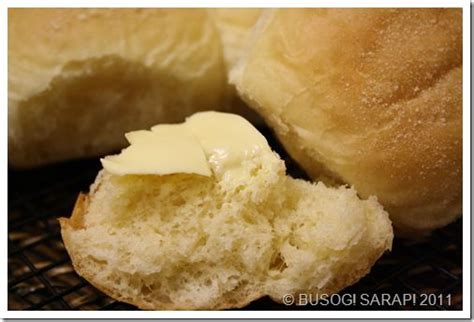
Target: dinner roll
[(79, 78), (367, 97), (235, 27), (221, 239)]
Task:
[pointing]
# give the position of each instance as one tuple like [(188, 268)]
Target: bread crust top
[(369, 97), (80, 78)]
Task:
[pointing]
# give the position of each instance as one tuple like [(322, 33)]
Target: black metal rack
[(40, 275)]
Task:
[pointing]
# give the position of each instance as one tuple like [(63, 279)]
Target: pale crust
[(78, 78), (235, 27), (367, 97), (237, 299)]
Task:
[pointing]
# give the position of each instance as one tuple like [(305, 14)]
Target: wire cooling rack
[(422, 275)]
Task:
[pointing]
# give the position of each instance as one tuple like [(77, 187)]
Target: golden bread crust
[(368, 97)]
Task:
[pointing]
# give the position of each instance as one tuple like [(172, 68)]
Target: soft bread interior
[(185, 241)]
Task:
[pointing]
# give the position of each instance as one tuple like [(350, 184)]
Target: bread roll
[(235, 27), (367, 97), (188, 241), (79, 78)]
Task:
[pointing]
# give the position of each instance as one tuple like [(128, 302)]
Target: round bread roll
[(80, 78), (367, 97)]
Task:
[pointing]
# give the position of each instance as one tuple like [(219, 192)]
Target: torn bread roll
[(80, 78), (368, 97), (221, 226)]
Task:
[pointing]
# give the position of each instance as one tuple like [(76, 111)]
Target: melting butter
[(227, 139), (205, 141)]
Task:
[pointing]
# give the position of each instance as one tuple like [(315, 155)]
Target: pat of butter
[(171, 149), (205, 141)]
